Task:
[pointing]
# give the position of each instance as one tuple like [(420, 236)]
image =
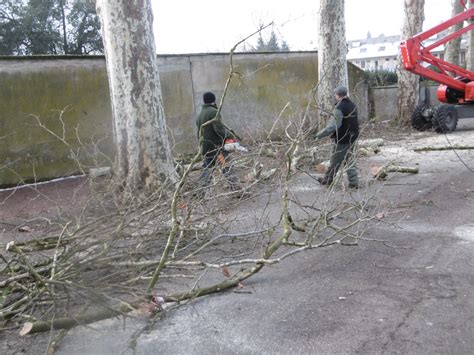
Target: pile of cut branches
[(171, 246)]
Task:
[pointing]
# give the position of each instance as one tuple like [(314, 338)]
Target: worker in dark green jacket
[(212, 137), (344, 129)]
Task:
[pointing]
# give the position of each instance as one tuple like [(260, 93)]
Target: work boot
[(353, 185), (324, 181)]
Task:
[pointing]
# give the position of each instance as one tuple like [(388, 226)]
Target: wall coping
[(63, 56), (396, 86)]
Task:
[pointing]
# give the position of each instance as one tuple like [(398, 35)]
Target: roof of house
[(359, 50), (382, 46)]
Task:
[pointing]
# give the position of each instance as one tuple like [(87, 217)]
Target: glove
[(231, 145)]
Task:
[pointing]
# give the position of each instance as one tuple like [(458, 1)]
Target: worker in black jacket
[(212, 137), (344, 129)]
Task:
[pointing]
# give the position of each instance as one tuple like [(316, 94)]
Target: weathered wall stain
[(385, 101)]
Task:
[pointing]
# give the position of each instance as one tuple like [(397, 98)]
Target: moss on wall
[(178, 104), (71, 101), (44, 86)]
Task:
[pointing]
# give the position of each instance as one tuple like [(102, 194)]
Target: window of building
[(362, 64), (381, 49), (387, 59), (376, 65), (363, 50)]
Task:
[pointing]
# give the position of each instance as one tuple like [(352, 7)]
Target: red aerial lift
[(457, 84)]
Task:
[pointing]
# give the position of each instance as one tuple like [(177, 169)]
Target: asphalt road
[(413, 296)]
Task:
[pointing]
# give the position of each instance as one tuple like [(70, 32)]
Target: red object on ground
[(230, 140)]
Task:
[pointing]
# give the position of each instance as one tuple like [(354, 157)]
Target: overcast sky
[(186, 26)]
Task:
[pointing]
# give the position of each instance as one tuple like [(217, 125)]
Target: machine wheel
[(421, 119), (445, 119)]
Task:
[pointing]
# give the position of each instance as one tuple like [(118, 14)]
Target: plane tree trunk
[(470, 47), (332, 54), (453, 47), (408, 83), (144, 157)]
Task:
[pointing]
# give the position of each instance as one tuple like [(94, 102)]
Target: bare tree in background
[(408, 83), (332, 53), (470, 47), (453, 47), (143, 150)]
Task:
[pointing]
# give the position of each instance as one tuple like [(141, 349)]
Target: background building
[(380, 53)]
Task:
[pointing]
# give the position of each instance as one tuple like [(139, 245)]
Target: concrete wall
[(385, 101), (43, 86)]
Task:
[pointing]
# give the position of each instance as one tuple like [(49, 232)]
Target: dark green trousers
[(343, 156)]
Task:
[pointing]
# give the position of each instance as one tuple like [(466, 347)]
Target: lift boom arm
[(414, 53)]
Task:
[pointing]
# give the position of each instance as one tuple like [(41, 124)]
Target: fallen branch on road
[(371, 143), (382, 172), (448, 147)]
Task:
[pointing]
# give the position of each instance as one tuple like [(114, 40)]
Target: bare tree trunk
[(408, 83), (470, 47), (63, 18), (332, 54), (143, 150), (453, 47)]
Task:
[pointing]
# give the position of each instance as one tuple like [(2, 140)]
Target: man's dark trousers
[(213, 159), (343, 156)]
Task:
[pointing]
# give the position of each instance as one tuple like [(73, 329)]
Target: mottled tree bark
[(470, 47), (143, 151), (453, 47), (408, 83), (332, 53)]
